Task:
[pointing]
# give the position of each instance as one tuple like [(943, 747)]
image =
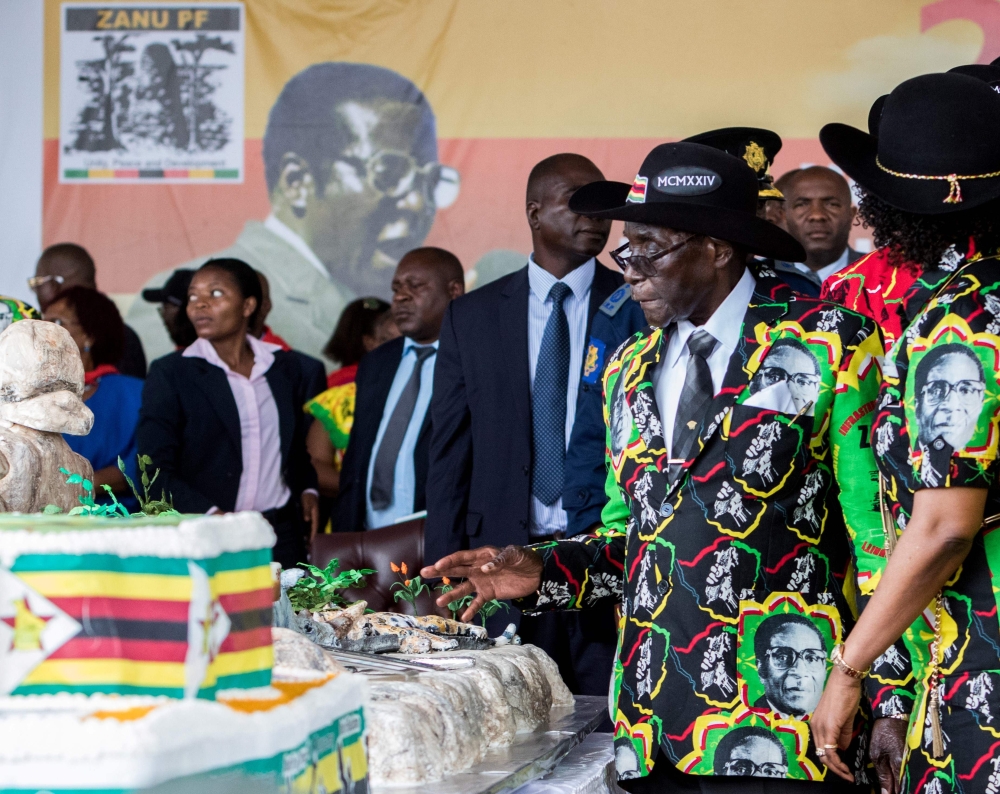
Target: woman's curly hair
[(922, 239)]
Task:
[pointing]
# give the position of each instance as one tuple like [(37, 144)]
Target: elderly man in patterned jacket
[(733, 424)]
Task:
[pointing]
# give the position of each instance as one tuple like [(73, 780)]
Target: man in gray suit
[(350, 158)]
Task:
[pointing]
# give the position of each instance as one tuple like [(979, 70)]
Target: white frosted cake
[(136, 652)]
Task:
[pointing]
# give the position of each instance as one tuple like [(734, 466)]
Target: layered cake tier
[(305, 736), (166, 606)]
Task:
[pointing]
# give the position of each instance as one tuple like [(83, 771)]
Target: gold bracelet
[(837, 657)]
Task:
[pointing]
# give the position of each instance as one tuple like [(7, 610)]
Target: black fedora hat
[(989, 73), (936, 149), (691, 187), (755, 146)]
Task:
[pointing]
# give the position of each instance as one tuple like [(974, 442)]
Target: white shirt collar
[(540, 281), (824, 273), (725, 324), (263, 355), (279, 229), (834, 267), (409, 344)]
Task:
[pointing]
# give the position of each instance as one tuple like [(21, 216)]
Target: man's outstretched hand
[(489, 572)]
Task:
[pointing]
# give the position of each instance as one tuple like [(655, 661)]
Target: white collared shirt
[(279, 229), (825, 272), (547, 519), (725, 325)]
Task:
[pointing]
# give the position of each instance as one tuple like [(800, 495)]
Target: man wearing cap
[(732, 423), (173, 298), (757, 148)]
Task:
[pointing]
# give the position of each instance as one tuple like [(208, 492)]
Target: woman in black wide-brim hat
[(928, 640)]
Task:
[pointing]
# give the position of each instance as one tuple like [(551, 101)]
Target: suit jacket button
[(523, 522), (581, 494), (666, 510), (662, 587), (526, 470)]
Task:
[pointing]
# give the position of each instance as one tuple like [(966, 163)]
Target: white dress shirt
[(725, 325), (547, 519), (404, 479), (825, 272), (261, 485)]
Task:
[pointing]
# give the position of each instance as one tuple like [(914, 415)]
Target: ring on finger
[(820, 752), (829, 747)]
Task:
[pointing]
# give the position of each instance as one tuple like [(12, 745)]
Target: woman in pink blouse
[(222, 420)]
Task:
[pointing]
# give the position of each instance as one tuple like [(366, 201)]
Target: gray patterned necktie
[(696, 396), (384, 472)]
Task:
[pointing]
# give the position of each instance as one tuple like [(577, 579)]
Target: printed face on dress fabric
[(621, 418), (791, 664), (750, 752), (788, 379), (950, 390)]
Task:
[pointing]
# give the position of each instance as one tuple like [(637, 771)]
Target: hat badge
[(637, 195), (755, 157)]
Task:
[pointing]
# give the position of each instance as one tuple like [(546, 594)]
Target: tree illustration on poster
[(107, 80), (209, 124), (176, 107)]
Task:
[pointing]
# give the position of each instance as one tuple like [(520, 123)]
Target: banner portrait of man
[(350, 162)]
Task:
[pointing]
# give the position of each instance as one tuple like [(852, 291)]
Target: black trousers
[(582, 643), (666, 779), (290, 548)]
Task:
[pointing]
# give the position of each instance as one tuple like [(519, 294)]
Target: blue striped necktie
[(548, 402)]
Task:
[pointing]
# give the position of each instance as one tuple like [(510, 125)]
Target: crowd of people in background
[(232, 423), (564, 409)]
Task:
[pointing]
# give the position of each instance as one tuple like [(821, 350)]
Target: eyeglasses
[(937, 391), (643, 265), (771, 375), (395, 174), (781, 658), (36, 281), (744, 767)]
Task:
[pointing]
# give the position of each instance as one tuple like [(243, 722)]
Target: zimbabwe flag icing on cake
[(171, 607)]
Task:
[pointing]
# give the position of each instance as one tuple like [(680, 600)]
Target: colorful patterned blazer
[(734, 571)]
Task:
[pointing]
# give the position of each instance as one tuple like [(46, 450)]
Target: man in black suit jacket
[(819, 214), (486, 431), (384, 474)]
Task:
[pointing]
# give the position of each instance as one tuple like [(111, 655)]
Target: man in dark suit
[(505, 398), (66, 265), (819, 214), (384, 474)]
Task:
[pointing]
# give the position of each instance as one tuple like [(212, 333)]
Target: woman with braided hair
[(928, 639)]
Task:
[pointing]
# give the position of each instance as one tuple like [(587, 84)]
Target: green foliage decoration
[(322, 588)]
